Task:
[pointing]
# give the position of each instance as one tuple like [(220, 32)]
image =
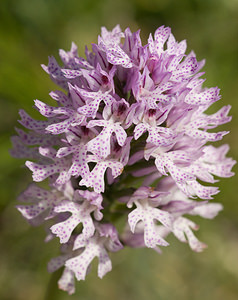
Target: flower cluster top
[(127, 137)]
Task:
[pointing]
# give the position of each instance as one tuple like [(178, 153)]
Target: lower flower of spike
[(80, 214), (146, 213), (95, 246), (182, 227)]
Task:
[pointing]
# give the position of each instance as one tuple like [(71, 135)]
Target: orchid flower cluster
[(127, 139)]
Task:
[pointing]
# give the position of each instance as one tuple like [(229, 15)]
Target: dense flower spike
[(127, 136)]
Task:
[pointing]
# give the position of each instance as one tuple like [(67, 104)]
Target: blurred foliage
[(32, 30)]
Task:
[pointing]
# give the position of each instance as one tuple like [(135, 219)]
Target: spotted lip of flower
[(127, 137)]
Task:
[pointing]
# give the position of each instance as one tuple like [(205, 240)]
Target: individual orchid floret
[(31, 124), (112, 37), (146, 213), (192, 125), (168, 162), (126, 141), (114, 53), (55, 72), (76, 147), (182, 227), (96, 177), (69, 58), (101, 143), (93, 100), (80, 214), (44, 202), (42, 171), (161, 35), (67, 117), (106, 237)]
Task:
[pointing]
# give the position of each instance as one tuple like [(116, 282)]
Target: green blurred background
[(30, 30)]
